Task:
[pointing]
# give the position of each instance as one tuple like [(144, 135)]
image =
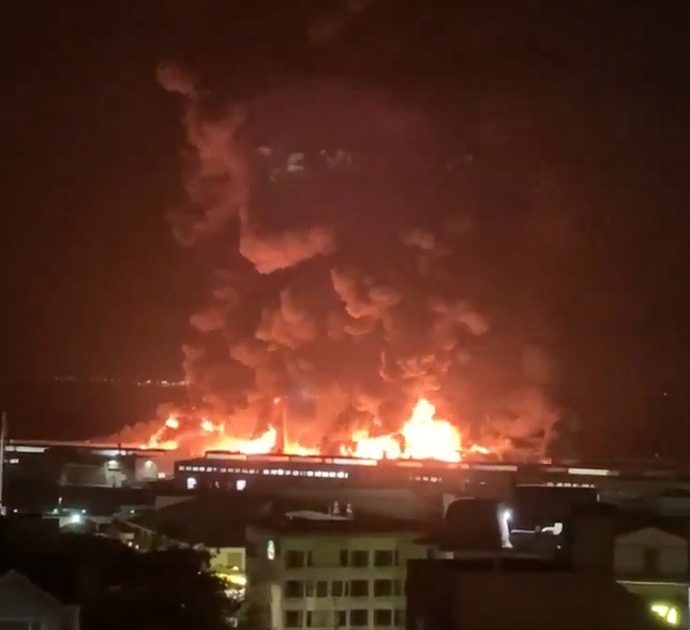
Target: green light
[(668, 613)]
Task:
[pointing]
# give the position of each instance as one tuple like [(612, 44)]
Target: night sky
[(597, 95)]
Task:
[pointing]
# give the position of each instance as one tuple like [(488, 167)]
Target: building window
[(294, 588), (359, 588), (399, 617), (293, 618), (383, 558), (309, 589), (359, 618), (383, 617), (344, 557), (651, 561), (322, 589), (318, 618), (383, 588), (337, 589), (294, 559), (340, 618), (359, 559)]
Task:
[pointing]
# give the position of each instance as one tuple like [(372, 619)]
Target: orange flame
[(422, 436), (264, 443), (207, 426)]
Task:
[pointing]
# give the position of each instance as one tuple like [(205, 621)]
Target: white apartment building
[(316, 571)]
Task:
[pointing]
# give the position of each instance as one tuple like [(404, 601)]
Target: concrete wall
[(441, 597), (542, 601)]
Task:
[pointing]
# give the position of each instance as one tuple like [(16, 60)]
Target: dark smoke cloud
[(351, 267), (280, 251)]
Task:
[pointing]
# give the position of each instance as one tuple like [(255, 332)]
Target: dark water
[(72, 411)]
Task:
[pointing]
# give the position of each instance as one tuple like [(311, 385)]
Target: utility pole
[(3, 430)]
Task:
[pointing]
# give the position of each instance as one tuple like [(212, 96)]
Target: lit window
[(240, 484), (191, 483)]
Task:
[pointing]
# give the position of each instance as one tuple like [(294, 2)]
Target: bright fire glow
[(264, 443), (422, 436), (207, 425)]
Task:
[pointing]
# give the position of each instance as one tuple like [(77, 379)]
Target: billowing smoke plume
[(345, 281)]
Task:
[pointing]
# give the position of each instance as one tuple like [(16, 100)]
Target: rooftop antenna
[(3, 431)]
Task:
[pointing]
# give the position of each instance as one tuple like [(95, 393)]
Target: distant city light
[(108, 380)]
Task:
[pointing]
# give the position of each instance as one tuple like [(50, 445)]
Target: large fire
[(422, 436)]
